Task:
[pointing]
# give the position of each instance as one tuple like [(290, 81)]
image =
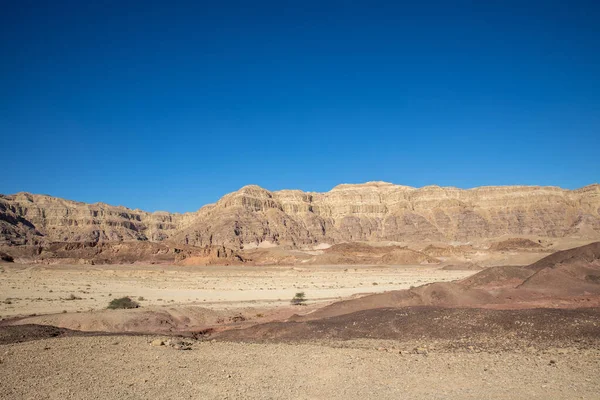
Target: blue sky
[(170, 105)]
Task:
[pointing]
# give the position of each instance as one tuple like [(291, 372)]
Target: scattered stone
[(157, 342), (237, 318), (179, 344)]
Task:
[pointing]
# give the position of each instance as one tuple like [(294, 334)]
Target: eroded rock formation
[(374, 211)]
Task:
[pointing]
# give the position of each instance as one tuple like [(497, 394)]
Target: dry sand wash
[(43, 289)]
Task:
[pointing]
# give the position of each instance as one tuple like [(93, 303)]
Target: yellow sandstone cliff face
[(28, 218), (374, 211)]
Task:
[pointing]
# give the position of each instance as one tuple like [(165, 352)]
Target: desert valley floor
[(365, 331), (192, 203), (47, 289)]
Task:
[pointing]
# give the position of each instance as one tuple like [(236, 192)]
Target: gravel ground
[(130, 367)]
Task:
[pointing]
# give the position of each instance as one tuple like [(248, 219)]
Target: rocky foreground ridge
[(374, 211)]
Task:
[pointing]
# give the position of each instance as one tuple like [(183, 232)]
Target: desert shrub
[(123, 302), (593, 278), (141, 298), (6, 257), (299, 299)]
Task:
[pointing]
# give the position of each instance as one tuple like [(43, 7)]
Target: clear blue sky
[(169, 105)]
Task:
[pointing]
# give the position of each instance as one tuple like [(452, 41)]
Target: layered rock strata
[(371, 212)]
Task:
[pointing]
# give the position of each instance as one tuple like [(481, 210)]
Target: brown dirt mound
[(209, 255), (468, 266), (576, 272), (569, 271), (501, 327), (505, 286), (29, 332), (360, 248), (436, 294), (565, 281), (25, 333), (154, 319), (447, 251), (498, 277), (275, 256), (361, 253), (580, 255), (515, 244), (125, 253), (407, 256)]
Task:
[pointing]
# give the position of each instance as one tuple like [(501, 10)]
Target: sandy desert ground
[(131, 368), (46, 289), (198, 350)]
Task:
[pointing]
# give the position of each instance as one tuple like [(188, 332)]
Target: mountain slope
[(374, 211)]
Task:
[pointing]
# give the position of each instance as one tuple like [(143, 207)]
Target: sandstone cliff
[(33, 219), (374, 211)]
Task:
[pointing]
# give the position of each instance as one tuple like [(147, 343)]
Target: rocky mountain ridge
[(374, 211)]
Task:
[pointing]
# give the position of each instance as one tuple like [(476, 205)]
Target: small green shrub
[(122, 303), (299, 299)]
